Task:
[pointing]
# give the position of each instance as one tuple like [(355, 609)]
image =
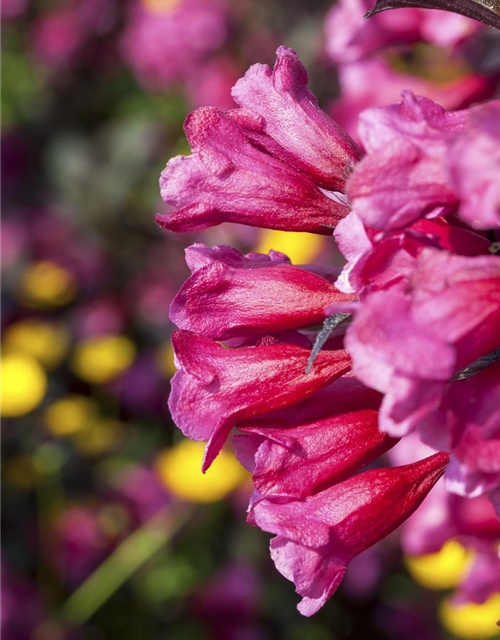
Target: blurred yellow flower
[(301, 248), (472, 621), (179, 469), (46, 284), (70, 415), (45, 341), (441, 570), (24, 384), (160, 6), (102, 358), (165, 360)]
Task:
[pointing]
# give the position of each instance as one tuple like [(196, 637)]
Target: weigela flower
[(214, 300), (449, 309), (424, 289), (304, 449), (317, 537), (478, 190), (405, 174), (255, 169), (217, 387)]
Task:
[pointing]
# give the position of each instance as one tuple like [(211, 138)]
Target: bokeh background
[(110, 531)]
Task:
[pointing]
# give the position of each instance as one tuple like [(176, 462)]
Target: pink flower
[(216, 387), (427, 316), (249, 166), (405, 174), (214, 300), (467, 423), (228, 178), (283, 106), (448, 309), (210, 83), (11, 9), (59, 36), (20, 593), (474, 167), (375, 263), (483, 578), (299, 453), (445, 516), (318, 536)]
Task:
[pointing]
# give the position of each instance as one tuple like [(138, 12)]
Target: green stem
[(129, 556)]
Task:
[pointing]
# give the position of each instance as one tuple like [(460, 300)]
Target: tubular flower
[(421, 285), (217, 387), (449, 309), (214, 300), (412, 148), (253, 167), (315, 444), (318, 536)]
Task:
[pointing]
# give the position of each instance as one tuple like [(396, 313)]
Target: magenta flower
[(478, 189), (470, 430), (59, 36), (304, 450), (373, 265), (424, 293), (317, 537), (228, 178), (255, 170), (282, 105), (214, 300), (444, 517), (449, 309), (405, 174), (217, 387), (13, 9), (211, 83)]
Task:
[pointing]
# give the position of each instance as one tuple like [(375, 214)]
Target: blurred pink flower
[(166, 44), (58, 36), (474, 167), (19, 595), (11, 9), (210, 83), (350, 37)]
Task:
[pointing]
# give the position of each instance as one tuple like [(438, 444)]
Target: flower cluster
[(410, 216)]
